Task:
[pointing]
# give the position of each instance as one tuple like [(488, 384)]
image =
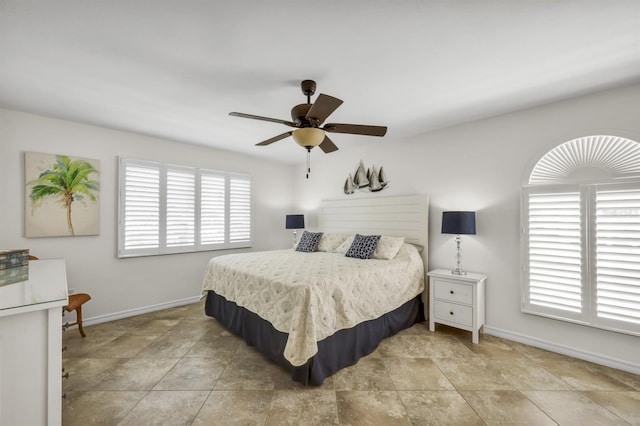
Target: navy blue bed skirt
[(342, 349)]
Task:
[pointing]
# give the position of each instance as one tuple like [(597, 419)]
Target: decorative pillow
[(330, 242), (363, 246), (388, 247), (344, 246), (309, 241)]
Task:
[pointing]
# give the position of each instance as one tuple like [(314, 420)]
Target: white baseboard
[(138, 311), (565, 350)]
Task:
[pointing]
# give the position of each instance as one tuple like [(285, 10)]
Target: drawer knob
[(450, 312), (451, 291)]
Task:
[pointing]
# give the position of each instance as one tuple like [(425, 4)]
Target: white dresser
[(457, 300), (31, 346)]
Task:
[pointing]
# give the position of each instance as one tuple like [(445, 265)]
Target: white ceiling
[(175, 69)]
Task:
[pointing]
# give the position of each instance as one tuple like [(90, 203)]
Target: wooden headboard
[(398, 216)]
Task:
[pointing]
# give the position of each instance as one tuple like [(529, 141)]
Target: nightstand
[(456, 300)]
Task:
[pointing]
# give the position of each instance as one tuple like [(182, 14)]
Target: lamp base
[(458, 270)]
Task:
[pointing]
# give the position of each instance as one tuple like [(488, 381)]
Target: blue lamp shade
[(295, 221), (461, 223)]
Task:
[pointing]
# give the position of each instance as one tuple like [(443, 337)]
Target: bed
[(315, 313)]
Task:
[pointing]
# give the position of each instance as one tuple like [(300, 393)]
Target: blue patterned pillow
[(309, 241), (363, 246)]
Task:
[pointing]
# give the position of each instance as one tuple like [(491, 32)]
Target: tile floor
[(179, 367)]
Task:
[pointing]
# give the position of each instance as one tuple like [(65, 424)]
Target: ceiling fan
[(308, 119)]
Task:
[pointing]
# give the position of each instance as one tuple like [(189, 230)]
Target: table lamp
[(459, 223)]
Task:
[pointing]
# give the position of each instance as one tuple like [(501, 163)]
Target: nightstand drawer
[(455, 313), (454, 292)]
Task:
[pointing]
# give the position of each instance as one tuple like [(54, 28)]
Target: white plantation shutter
[(581, 226), (239, 209), (174, 209), (212, 208), (555, 271), (141, 192), (618, 254), (181, 202)]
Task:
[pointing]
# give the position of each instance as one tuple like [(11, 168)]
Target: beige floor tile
[(573, 408), (125, 346), (629, 379), (86, 373), (235, 408), (219, 347), (98, 408), (197, 328), (374, 408), (439, 408), (303, 406), (423, 346), (114, 369), (367, 374), (136, 374), (247, 374), (175, 408), (192, 374), (416, 374), (154, 327), (582, 375), (534, 353), (167, 346), (475, 374), (625, 404), (525, 374), (506, 407), (77, 347), (492, 347), (120, 326)]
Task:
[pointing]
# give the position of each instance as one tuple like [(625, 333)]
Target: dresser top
[(45, 288)]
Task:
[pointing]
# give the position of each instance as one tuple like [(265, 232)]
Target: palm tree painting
[(62, 195)]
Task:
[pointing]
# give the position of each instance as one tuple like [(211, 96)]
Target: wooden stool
[(75, 304)]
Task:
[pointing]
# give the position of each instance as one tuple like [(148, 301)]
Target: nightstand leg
[(474, 336)]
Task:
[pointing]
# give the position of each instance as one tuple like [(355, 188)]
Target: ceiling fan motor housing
[(299, 115)]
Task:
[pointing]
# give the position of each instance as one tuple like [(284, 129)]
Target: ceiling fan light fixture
[(308, 137)]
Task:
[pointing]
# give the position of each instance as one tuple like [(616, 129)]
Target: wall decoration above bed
[(61, 195), (369, 180)]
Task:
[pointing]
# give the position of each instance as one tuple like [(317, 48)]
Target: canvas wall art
[(62, 195)]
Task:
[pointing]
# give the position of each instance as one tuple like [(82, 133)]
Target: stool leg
[(79, 320)]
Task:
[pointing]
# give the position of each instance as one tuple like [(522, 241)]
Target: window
[(581, 225), (166, 208)]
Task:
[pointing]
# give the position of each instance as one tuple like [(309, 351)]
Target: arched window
[(581, 226)]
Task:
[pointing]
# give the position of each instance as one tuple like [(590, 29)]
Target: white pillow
[(344, 246), (388, 247), (330, 242)]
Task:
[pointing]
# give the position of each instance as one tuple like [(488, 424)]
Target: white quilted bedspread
[(310, 296)]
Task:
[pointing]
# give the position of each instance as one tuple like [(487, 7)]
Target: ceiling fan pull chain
[(308, 162)]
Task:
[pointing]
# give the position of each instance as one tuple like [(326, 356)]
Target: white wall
[(119, 285), (481, 166)]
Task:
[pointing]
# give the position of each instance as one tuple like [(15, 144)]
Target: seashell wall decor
[(371, 180)]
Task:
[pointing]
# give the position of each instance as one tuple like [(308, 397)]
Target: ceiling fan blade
[(327, 145), (275, 139), (356, 129), (323, 107), (258, 117)]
